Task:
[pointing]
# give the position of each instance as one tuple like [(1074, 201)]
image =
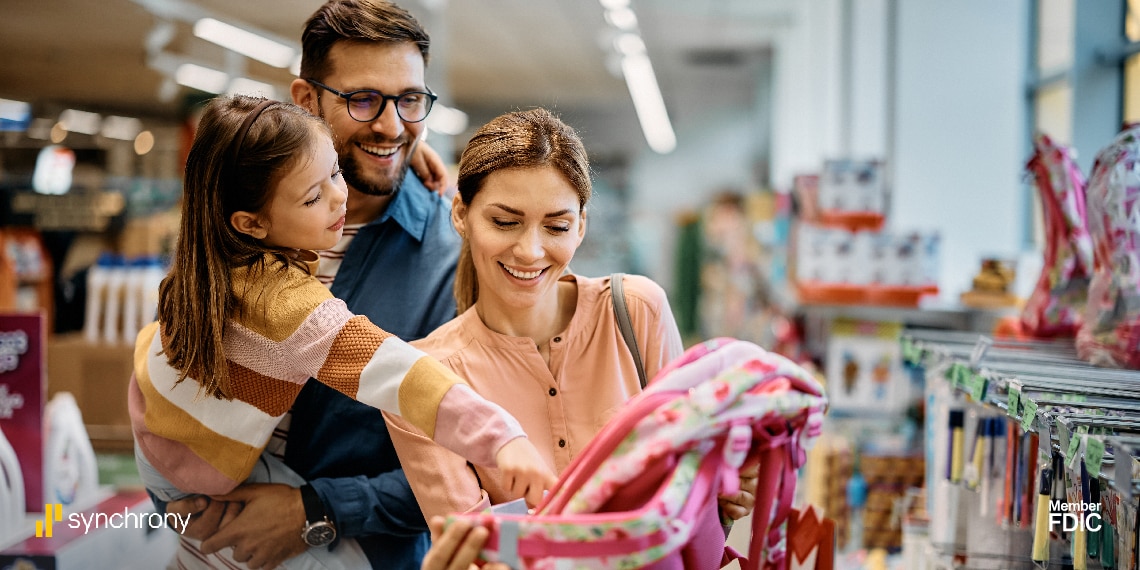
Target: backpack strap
[(621, 313)]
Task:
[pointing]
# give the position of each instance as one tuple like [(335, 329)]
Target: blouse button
[(562, 443), (557, 339), (553, 392)]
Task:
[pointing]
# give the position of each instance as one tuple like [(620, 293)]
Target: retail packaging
[(122, 532), (94, 373), (864, 369), (71, 477), (23, 387), (12, 506)]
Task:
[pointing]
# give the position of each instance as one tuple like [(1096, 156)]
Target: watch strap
[(314, 508)]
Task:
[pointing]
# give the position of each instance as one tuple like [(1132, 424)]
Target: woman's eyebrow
[(515, 212)]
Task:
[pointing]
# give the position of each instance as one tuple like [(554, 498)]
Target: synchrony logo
[(53, 512)]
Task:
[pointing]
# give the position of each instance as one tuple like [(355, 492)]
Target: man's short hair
[(357, 21)]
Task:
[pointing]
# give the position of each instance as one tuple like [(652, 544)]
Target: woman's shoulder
[(642, 288)]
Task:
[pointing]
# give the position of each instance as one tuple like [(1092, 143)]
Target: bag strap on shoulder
[(621, 313)]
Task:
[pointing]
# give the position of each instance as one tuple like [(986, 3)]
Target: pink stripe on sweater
[(300, 355), (177, 462), (465, 420)]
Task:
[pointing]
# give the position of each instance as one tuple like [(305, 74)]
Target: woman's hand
[(524, 473), (737, 505), (456, 548)]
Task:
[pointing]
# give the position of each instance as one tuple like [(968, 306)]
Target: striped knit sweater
[(292, 329)]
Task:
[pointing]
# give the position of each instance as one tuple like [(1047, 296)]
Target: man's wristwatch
[(318, 529)]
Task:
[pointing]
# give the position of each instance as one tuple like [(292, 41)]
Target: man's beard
[(356, 180)]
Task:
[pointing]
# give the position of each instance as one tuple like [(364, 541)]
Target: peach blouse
[(560, 407)]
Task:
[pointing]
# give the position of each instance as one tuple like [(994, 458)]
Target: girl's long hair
[(521, 139), (197, 298)]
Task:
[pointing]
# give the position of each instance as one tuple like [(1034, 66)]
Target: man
[(362, 70)]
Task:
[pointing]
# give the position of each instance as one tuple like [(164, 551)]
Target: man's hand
[(457, 547), (267, 531), (741, 503), (523, 471), (205, 516), (430, 168)]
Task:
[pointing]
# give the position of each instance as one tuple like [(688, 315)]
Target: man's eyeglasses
[(365, 105)]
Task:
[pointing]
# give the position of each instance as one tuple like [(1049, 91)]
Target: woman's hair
[(356, 21), (235, 162), (521, 139)]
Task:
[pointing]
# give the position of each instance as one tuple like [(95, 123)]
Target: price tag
[(977, 387), (1094, 455), (1063, 439), (908, 350), (1074, 445), (1029, 413), (1014, 399)]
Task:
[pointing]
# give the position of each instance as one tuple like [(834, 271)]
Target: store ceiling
[(496, 55)]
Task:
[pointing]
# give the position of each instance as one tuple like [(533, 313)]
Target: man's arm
[(429, 166), (362, 506)]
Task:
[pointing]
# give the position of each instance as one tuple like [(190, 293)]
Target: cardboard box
[(97, 374), (82, 541)]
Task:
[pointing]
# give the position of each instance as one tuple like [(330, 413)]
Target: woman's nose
[(529, 246)]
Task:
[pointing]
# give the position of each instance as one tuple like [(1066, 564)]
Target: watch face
[(319, 533)]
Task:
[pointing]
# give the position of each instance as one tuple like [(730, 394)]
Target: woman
[(531, 336)]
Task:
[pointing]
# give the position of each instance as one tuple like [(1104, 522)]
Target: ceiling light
[(629, 44), (446, 120), (14, 115), (144, 142), (201, 78), (80, 121), (647, 101), (121, 128), (247, 86), (614, 4), (244, 42), (622, 18)]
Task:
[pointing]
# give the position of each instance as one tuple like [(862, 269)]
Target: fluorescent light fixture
[(642, 84), (121, 128), (201, 78), (614, 4), (622, 18), (75, 121), (16, 111), (244, 42), (629, 44), (247, 86), (295, 66), (446, 120)]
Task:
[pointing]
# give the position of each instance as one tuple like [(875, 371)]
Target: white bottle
[(71, 476), (112, 310), (12, 505), (153, 274), (132, 297), (96, 292)]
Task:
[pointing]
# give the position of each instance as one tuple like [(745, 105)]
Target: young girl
[(243, 323)]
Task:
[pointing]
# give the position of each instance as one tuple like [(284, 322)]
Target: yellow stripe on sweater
[(422, 390), (232, 458)]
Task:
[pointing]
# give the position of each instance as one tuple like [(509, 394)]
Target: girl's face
[(308, 205), (523, 226)]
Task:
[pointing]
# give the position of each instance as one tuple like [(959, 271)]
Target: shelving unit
[(1085, 421)]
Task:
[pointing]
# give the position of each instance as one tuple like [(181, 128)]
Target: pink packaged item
[(644, 491), (1054, 309), (1110, 334)]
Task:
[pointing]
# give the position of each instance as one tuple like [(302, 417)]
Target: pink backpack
[(1110, 334), (643, 492), (1054, 309)]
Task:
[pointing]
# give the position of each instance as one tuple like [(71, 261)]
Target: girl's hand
[(737, 505), (523, 470), (429, 166)]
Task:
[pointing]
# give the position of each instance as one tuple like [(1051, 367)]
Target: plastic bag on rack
[(1055, 307), (1110, 334)]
